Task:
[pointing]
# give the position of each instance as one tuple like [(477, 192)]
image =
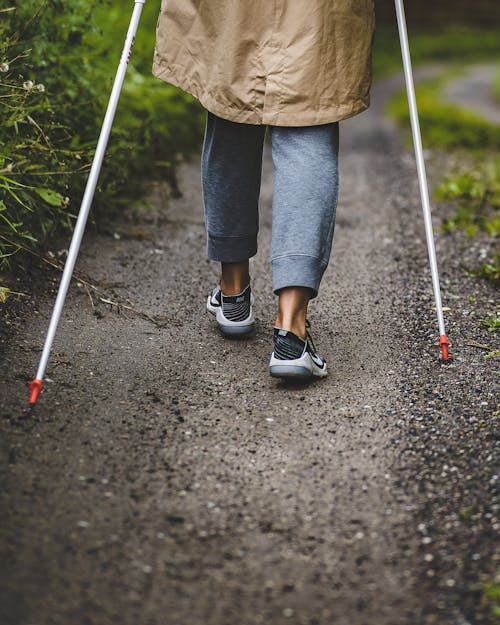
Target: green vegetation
[(491, 595), (445, 125), (475, 188), (496, 85), (454, 45), (490, 270), (56, 71), (492, 323), (477, 193)]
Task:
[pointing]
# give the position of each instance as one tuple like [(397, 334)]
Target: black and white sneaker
[(234, 313), (294, 358)]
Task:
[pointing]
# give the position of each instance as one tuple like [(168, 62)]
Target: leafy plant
[(496, 85), (492, 323), (450, 44), (445, 125), (491, 595), (477, 193), (56, 72)]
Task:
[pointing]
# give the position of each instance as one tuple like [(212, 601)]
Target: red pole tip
[(35, 386), (444, 344)]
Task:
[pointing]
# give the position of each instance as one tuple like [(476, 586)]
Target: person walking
[(293, 69)]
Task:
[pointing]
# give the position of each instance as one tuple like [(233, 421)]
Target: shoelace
[(309, 337)]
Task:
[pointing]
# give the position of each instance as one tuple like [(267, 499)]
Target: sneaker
[(234, 313), (295, 358)]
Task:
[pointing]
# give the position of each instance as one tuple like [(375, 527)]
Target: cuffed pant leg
[(231, 175), (304, 203)]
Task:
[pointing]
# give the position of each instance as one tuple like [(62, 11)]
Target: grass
[(445, 125), (453, 45), (475, 189), (492, 323), (491, 595), (496, 85)]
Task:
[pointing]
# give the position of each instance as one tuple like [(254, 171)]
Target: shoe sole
[(231, 328), (303, 368)]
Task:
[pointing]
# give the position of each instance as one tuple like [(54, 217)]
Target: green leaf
[(51, 197)]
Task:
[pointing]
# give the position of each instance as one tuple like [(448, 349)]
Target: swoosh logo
[(317, 361)]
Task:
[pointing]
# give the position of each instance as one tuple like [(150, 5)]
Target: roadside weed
[(492, 323)]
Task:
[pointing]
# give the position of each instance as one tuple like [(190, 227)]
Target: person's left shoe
[(294, 358), (234, 313)]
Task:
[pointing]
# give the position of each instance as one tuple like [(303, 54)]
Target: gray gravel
[(474, 91), (165, 478)]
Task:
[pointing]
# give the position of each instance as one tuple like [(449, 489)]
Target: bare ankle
[(292, 310), (235, 278), (233, 288)]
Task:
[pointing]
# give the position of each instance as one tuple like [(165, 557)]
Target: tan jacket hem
[(226, 110)]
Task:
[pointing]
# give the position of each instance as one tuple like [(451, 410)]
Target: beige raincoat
[(276, 62)]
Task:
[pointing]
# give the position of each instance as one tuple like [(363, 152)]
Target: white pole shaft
[(90, 188), (419, 156)]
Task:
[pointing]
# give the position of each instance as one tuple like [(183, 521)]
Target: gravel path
[(165, 478), (474, 91)]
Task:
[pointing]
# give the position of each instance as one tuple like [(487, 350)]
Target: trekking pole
[(35, 386), (422, 178)]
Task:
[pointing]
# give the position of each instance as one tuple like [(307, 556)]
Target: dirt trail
[(165, 478), (474, 91)]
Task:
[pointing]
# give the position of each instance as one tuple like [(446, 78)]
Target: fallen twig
[(90, 296), (119, 305), (103, 297), (478, 345)]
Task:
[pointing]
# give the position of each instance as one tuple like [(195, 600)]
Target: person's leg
[(292, 309), (231, 176), (235, 277), (304, 207)]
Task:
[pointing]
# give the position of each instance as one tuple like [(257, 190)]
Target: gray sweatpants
[(304, 198)]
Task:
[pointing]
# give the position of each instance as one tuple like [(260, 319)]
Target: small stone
[(450, 583), (83, 524), (288, 612)]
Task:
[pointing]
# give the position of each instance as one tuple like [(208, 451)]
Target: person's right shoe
[(294, 358), (234, 313)]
